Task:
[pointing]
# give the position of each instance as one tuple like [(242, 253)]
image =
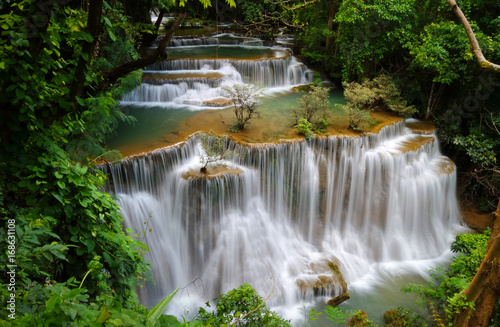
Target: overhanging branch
[(112, 75), (485, 64)]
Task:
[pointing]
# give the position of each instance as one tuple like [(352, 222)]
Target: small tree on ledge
[(246, 100), (215, 149)]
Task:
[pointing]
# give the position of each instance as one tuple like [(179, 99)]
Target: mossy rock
[(393, 318), (324, 275), (338, 275), (361, 320)]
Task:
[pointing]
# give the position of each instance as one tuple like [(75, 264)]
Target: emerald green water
[(154, 124), (234, 52)]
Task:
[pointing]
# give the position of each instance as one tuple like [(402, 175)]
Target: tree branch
[(110, 76), (485, 64)]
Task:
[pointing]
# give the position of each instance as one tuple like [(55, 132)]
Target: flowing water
[(381, 207)]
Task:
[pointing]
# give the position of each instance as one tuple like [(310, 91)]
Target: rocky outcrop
[(323, 278)]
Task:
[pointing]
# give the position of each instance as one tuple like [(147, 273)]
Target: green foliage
[(311, 315), (153, 316), (241, 306), (371, 30), (313, 104), (339, 316), (246, 101), (443, 49), (379, 91), (479, 148), (457, 304), (443, 293), (304, 128), (401, 317), (358, 119)]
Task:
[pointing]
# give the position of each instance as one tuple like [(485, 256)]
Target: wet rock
[(211, 172), (323, 278), (338, 299), (360, 320)]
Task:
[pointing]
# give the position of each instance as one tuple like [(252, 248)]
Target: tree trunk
[(339, 299), (484, 290), (93, 28), (429, 104), (112, 75), (331, 16), (485, 64)]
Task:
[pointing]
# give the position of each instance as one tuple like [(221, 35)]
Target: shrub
[(246, 100), (382, 90), (358, 118), (304, 128), (312, 104), (241, 306)]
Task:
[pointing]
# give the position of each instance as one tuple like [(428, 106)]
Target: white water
[(377, 210), (273, 68)]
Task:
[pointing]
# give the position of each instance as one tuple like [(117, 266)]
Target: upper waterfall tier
[(195, 76), (298, 206), (224, 38)]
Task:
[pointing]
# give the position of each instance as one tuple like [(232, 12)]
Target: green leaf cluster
[(242, 306), (443, 293)]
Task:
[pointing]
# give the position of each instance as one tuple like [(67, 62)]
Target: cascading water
[(377, 207), (198, 69)]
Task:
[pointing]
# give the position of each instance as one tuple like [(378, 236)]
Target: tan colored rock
[(212, 172), (322, 277)]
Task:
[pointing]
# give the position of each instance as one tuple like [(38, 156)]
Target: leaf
[(111, 35), (51, 303), (69, 310), (108, 22), (87, 37), (58, 197), (80, 101), (157, 311), (103, 315)]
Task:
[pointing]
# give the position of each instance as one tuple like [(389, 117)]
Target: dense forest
[(65, 64)]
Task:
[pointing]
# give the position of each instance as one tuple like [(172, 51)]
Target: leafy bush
[(479, 148), (380, 91), (246, 101), (401, 317), (321, 125), (313, 104), (241, 306), (443, 293), (357, 118), (304, 128)]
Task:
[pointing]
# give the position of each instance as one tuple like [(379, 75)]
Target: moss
[(338, 275), (392, 318), (401, 317), (361, 320)]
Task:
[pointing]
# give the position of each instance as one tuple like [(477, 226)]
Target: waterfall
[(293, 209), (198, 70)]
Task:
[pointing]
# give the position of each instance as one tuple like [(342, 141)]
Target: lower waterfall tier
[(317, 216)]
